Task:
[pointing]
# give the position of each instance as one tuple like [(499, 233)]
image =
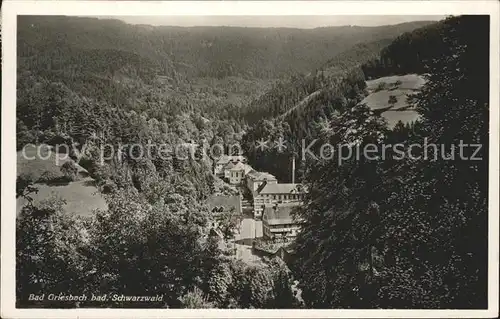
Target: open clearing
[(400, 111), (81, 196), (408, 81)]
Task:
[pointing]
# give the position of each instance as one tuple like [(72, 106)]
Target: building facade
[(278, 222), (276, 193), (256, 179), (226, 171), (238, 172), (224, 160)]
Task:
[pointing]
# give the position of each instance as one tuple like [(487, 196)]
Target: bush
[(24, 135), (195, 299), (381, 86), (69, 170), (395, 85), (392, 100), (58, 139), (46, 136), (53, 178), (100, 173), (109, 188), (48, 177), (25, 186), (86, 163)]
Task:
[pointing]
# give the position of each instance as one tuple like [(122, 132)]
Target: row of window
[(283, 196), (282, 226), (280, 234), (236, 174)]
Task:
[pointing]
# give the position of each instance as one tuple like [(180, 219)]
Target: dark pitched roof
[(261, 176), (259, 189), (248, 168), (231, 158), (238, 167), (280, 189), (280, 214), (226, 202)]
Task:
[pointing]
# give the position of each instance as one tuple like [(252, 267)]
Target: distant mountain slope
[(304, 98), (292, 96), (199, 51), (305, 108), (212, 71)]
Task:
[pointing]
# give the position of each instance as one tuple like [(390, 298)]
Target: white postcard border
[(109, 8)]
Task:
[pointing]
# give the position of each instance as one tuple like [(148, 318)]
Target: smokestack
[(293, 169)]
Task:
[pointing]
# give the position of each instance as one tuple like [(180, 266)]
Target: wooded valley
[(408, 233)]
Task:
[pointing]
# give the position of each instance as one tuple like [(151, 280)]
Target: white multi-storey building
[(237, 173), (276, 193)]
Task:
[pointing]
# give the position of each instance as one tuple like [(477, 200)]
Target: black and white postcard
[(250, 159)]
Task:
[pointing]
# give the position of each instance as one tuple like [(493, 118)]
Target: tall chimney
[(293, 169)]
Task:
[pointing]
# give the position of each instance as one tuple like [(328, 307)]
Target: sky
[(305, 22)]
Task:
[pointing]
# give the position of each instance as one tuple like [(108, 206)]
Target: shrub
[(58, 139), (109, 188), (195, 299), (392, 100), (25, 186), (69, 170), (86, 163), (48, 176), (381, 86), (24, 135), (53, 178)]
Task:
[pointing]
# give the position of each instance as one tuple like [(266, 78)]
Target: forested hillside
[(212, 70), (200, 51), (407, 232), (68, 66), (392, 232), (299, 110), (411, 52), (375, 232), (284, 96), (107, 89)]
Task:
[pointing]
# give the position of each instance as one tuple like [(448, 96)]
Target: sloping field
[(408, 81), (82, 196), (379, 100), (378, 97)]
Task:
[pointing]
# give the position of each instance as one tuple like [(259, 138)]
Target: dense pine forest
[(410, 233), (377, 233)]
